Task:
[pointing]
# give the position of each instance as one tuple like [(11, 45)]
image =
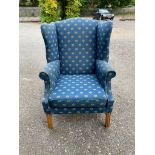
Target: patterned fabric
[(104, 71), (51, 73), (77, 77), (103, 39), (78, 91), (50, 39), (77, 45), (77, 110), (110, 96)]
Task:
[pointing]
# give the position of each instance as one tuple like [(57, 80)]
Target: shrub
[(72, 8), (52, 10), (48, 10)]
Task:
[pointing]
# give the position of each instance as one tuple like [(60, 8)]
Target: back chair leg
[(49, 121), (107, 120)]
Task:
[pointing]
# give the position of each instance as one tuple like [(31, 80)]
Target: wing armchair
[(77, 76)]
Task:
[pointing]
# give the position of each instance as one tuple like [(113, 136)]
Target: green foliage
[(62, 5), (132, 2), (28, 3), (90, 3), (35, 2), (115, 3), (106, 3), (72, 8), (48, 10), (52, 10)]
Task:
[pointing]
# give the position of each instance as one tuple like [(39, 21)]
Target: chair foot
[(49, 121), (107, 120)]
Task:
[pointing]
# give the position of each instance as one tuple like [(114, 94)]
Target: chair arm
[(50, 73), (104, 71)]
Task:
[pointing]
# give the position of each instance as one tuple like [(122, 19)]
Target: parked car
[(102, 14)]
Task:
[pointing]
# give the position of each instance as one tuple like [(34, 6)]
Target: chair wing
[(50, 38), (103, 39)]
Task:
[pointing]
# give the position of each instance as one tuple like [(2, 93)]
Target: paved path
[(76, 134), (29, 19)]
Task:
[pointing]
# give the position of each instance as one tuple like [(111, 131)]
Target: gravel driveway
[(77, 134)]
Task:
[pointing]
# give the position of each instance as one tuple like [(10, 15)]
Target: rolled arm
[(104, 71), (50, 73)]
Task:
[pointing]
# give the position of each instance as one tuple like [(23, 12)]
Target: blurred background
[(53, 10)]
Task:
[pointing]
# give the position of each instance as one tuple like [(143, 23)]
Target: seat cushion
[(77, 45), (77, 91)]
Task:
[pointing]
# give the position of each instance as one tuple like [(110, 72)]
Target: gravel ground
[(77, 134)]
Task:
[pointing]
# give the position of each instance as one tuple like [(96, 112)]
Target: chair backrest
[(77, 43)]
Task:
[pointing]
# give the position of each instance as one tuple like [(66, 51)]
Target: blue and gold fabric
[(77, 76)]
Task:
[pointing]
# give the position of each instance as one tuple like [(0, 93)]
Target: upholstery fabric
[(50, 38), (77, 76), (77, 110), (104, 71), (103, 39), (77, 91), (110, 97), (77, 45), (50, 73)]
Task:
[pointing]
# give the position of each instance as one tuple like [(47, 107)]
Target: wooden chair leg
[(107, 120), (50, 121)]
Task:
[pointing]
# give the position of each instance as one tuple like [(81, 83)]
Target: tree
[(105, 3), (90, 3), (28, 3), (114, 3), (35, 2)]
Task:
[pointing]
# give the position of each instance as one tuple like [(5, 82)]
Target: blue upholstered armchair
[(77, 76)]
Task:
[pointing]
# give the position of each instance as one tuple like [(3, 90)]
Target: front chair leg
[(49, 121), (107, 120)]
